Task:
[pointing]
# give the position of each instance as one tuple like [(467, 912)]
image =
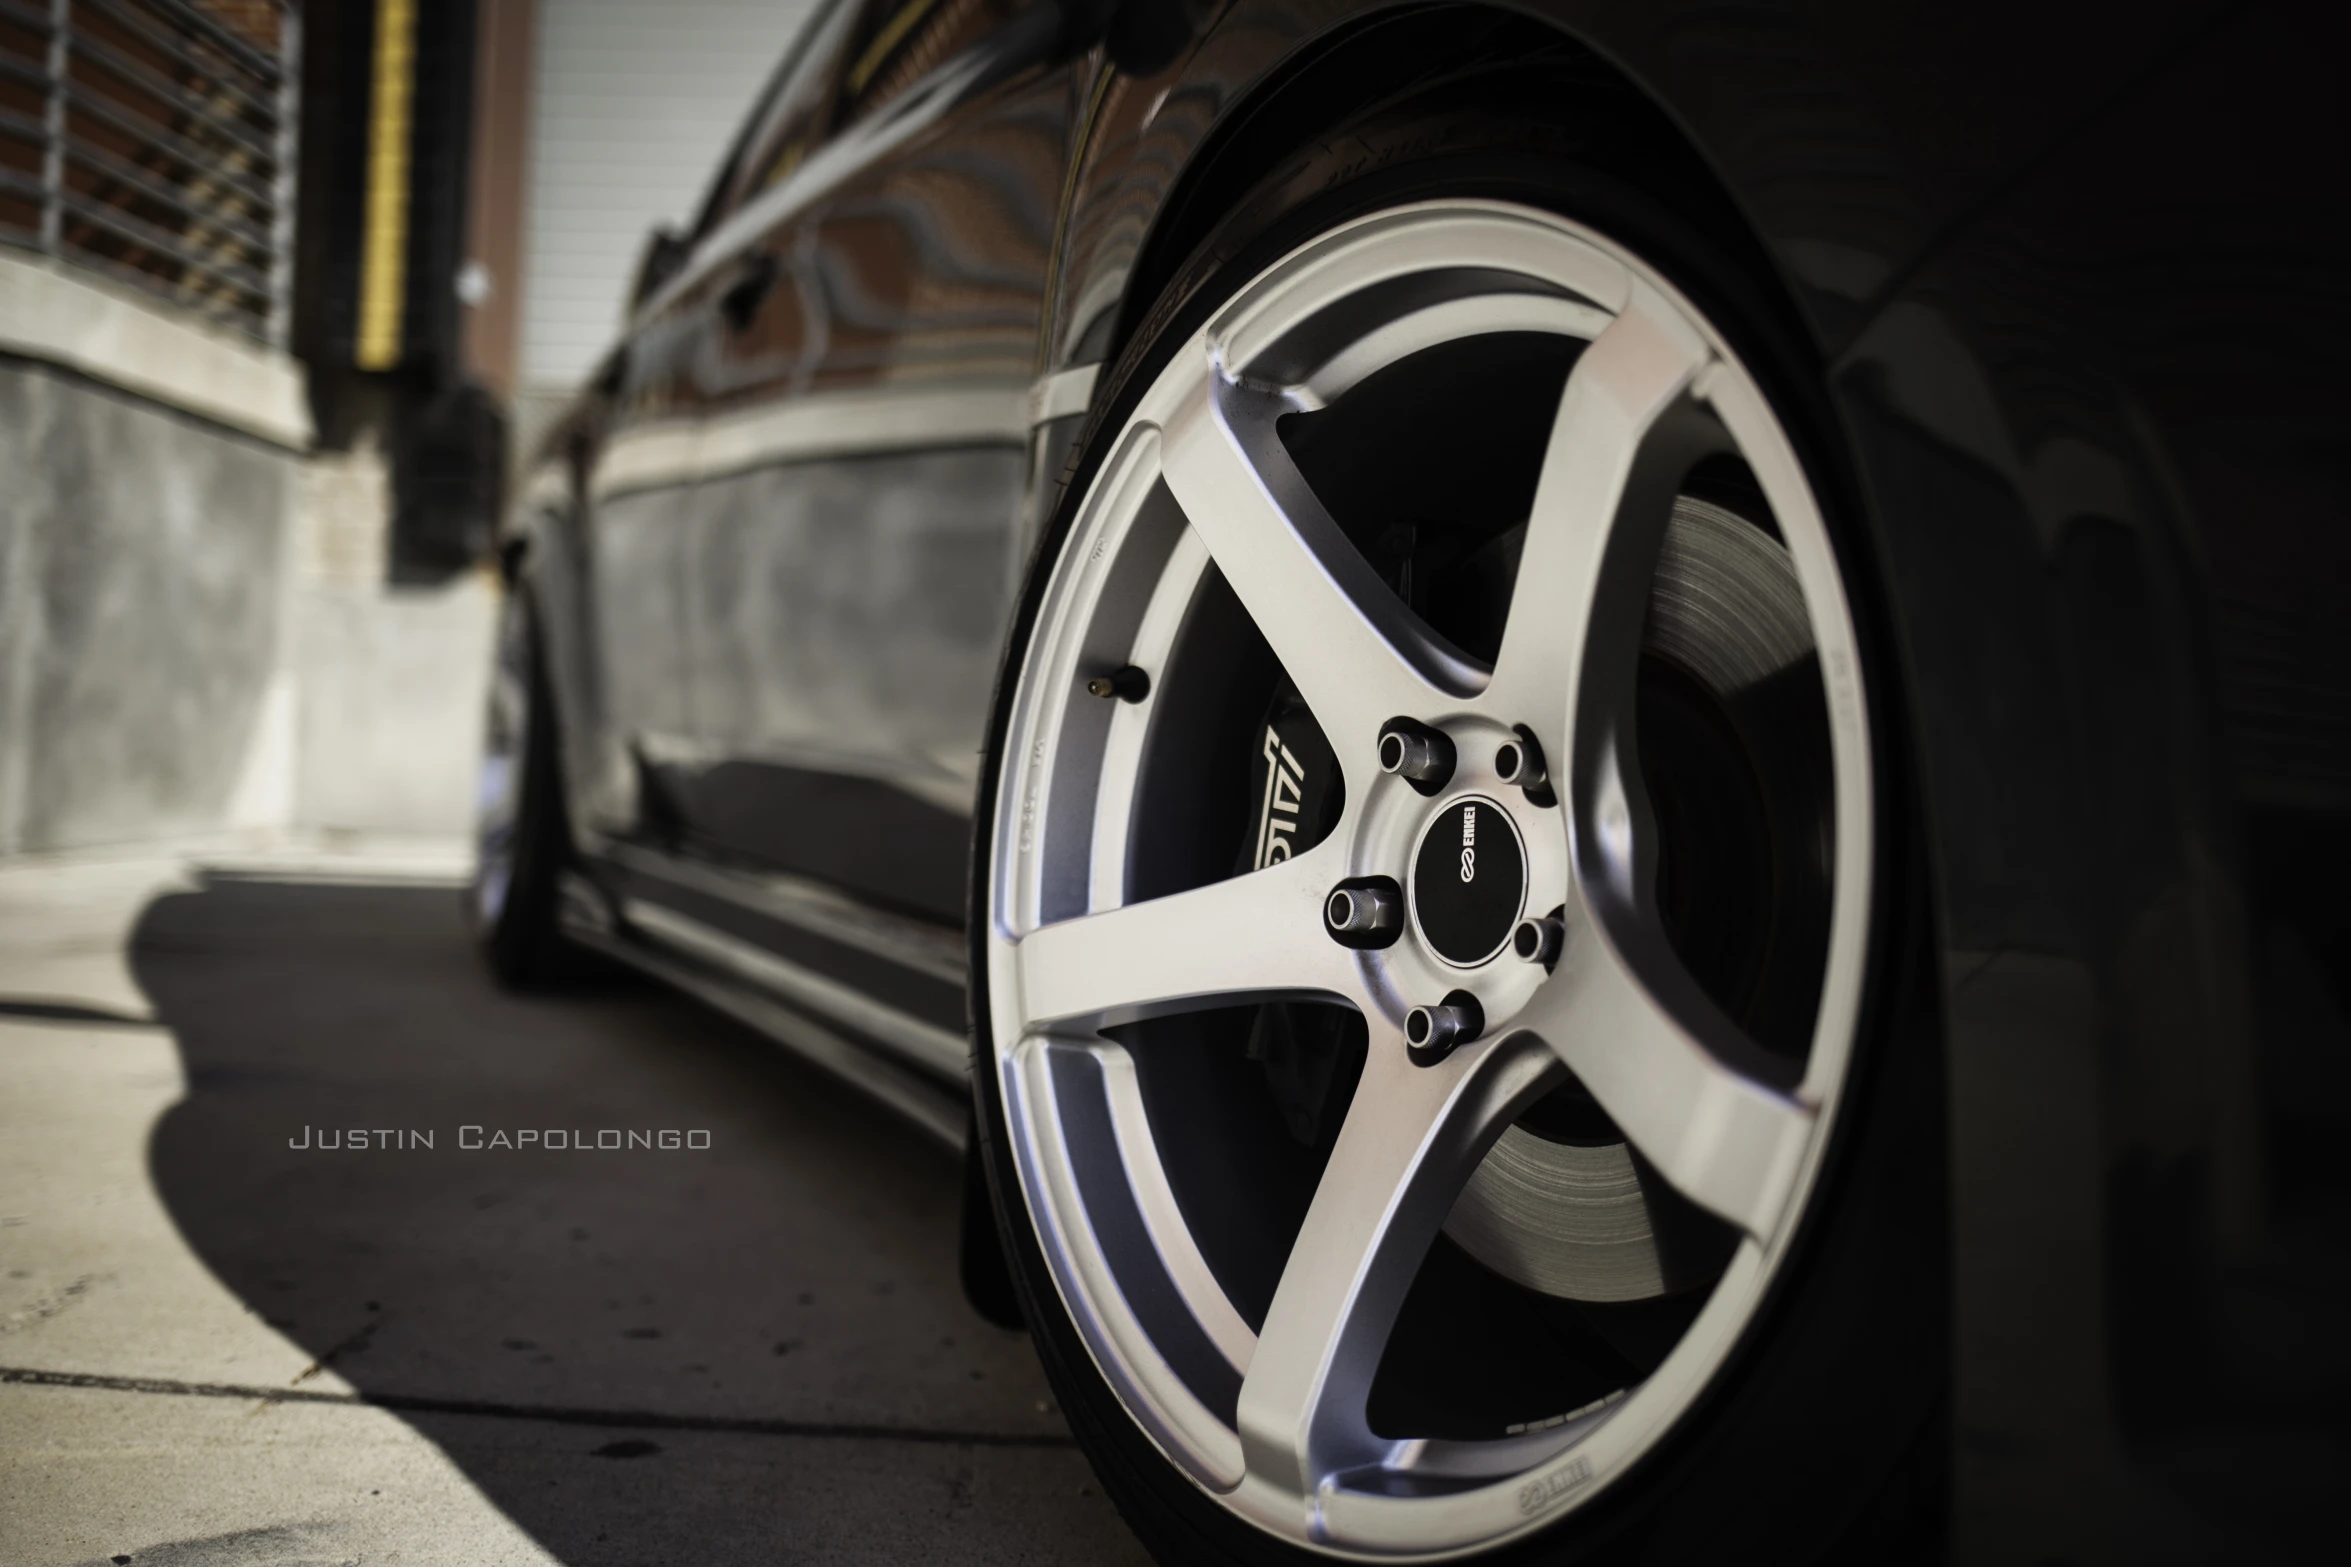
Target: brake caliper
[(1295, 788)]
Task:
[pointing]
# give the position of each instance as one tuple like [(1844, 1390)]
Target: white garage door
[(633, 105)]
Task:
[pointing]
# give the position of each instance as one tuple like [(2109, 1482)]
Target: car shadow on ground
[(641, 1354)]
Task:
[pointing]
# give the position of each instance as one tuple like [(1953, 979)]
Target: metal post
[(53, 128), (282, 193)]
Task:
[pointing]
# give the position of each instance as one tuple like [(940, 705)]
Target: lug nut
[(1430, 1033), (1128, 684), (1520, 762), (1367, 911), (1422, 756), (1538, 939)]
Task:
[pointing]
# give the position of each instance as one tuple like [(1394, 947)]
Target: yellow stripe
[(384, 245), (891, 35)]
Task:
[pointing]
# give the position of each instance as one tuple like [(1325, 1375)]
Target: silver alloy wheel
[(1199, 477), (499, 779)]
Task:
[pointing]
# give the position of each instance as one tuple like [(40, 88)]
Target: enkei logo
[(1536, 1495), (1284, 781), (1469, 843)]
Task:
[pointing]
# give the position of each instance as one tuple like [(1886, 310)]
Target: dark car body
[(2078, 280)]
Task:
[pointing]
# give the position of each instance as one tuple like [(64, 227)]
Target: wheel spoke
[(1704, 1105), (1600, 509), (1692, 1093), (1254, 935), (1411, 1138), (1358, 656)]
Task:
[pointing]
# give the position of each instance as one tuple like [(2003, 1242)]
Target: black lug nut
[(1430, 1033), (1128, 684), (1422, 756), (1520, 762), (1538, 939), (1365, 911)]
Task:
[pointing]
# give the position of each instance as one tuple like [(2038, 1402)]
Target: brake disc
[(1584, 1219)]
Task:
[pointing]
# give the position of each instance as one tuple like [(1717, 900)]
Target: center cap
[(1469, 881)]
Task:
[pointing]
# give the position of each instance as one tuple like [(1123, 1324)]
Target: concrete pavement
[(220, 1347)]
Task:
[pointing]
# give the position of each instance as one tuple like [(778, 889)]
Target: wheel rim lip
[(1591, 1455)]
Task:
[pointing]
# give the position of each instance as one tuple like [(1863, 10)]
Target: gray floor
[(218, 1349)]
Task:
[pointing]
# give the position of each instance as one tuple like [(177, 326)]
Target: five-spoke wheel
[(1495, 760)]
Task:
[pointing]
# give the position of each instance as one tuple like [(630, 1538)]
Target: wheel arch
[(1377, 56), (541, 554)]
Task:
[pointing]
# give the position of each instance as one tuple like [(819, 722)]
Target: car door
[(635, 442), (851, 555), (626, 569)]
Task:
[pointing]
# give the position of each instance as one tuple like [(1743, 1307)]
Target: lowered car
[(1600, 754)]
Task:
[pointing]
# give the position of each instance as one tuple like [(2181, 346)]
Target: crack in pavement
[(47, 1307), (350, 1346), (548, 1414)]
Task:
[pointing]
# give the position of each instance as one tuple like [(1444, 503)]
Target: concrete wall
[(195, 630), (385, 683), (142, 557)]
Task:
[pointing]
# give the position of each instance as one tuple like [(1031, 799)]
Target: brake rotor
[(1580, 1217)]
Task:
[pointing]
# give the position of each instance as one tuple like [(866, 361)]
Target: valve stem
[(1127, 683)]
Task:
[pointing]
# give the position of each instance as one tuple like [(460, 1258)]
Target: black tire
[(512, 901), (1823, 1438)]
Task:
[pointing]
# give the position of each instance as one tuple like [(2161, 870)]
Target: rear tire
[(1818, 1433), (522, 833)]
